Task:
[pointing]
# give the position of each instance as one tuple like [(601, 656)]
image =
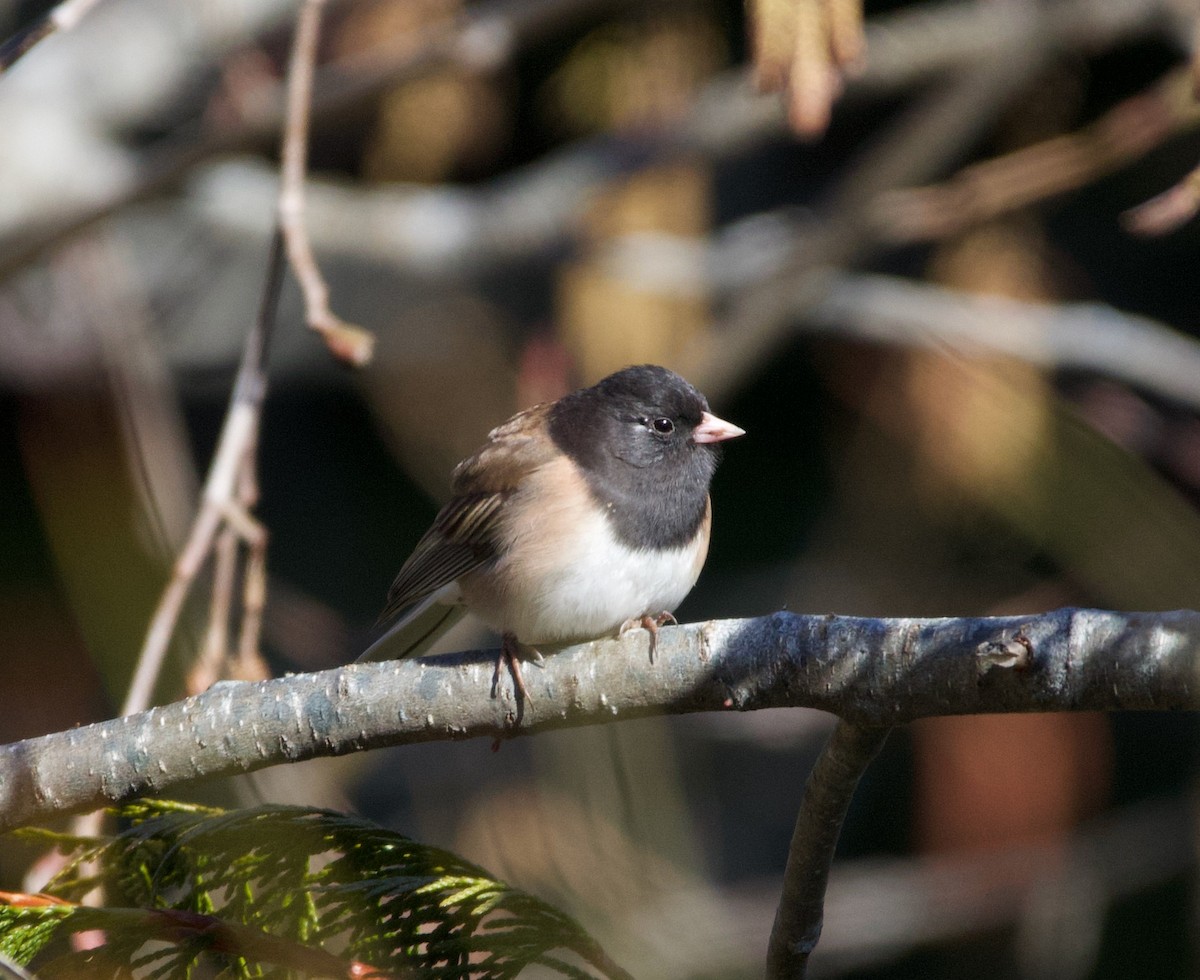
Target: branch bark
[(872, 672)]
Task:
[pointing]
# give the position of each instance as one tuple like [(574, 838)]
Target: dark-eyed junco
[(577, 519)]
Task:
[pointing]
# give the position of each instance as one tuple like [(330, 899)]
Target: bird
[(577, 519)]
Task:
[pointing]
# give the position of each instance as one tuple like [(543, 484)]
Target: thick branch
[(873, 672)]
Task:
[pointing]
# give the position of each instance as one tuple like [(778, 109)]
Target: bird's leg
[(509, 651), (650, 624)]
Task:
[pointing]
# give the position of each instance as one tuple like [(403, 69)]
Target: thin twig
[(219, 506), (847, 35), (827, 796), (813, 81), (345, 340), (248, 663), (170, 604), (206, 671)]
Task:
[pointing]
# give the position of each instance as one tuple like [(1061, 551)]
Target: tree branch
[(873, 672), (983, 191), (827, 795), (1057, 336), (347, 341), (907, 48), (915, 144), (228, 493)]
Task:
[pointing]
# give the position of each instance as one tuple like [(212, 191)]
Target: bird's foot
[(651, 625), (510, 653)]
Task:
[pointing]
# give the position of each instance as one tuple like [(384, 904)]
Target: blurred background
[(970, 388)]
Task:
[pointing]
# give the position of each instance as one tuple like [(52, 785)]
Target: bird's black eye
[(663, 426)]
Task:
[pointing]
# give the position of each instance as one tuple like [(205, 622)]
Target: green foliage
[(285, 892)]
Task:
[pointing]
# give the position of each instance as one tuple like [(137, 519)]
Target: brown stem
[(347, 341), (827, 796)]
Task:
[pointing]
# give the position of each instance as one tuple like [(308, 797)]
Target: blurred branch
[(461, 229), (1167, 211), (879, 909), (62, 18), (483, 40), (1177, 205), (351, 343), (986, 190), (916, 146), (1058, 336), (827, 795), (751, 254), (872, 672), (908, 48), (917, 143), (230, 491)]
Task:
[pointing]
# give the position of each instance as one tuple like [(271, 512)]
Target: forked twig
[(223, 516), (347, 341), (240, 528), (225, 519), (224, 502)]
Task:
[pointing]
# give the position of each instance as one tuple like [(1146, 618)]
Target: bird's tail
[(419, 628)]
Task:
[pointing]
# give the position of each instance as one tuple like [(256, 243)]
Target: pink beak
[(713, 429)]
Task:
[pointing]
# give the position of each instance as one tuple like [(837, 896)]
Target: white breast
[(575, 580)]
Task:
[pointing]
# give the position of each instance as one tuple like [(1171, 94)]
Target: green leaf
[(287, 892), (24, 932)]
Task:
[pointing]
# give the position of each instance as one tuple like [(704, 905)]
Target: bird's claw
[(651, 625), (509, 652)]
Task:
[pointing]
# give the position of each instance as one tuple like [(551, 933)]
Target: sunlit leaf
[(284, 892)]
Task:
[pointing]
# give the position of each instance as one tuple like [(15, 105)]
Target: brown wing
[(465, 533)]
